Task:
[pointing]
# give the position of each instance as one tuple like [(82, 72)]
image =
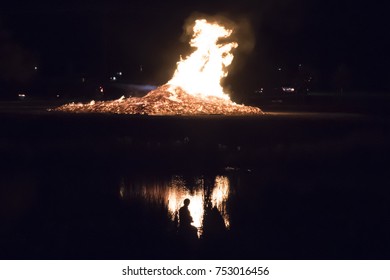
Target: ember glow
[(195, 88)]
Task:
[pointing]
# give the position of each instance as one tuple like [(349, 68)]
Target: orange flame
[(201, 72), (195, 87)]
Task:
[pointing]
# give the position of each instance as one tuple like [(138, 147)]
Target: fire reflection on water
[(220, 196), (177, 192), (172, 193)]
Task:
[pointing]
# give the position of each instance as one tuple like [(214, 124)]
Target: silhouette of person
[(185, 220), (213, 223), (185, 215)]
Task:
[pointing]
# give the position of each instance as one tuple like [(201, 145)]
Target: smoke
[(16, 62)]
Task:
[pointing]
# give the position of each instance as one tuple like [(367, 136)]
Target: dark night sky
[(96, 38)]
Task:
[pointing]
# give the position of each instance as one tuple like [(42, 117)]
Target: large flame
[(195, 87), (201, 72)]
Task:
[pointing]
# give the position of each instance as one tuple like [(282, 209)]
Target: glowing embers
[(195, 88), (171, 194), (163, 101)]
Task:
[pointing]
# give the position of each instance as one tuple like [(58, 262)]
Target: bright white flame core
[(201, 72)]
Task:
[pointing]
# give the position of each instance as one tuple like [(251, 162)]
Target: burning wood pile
[(164, 100), (195, 88)]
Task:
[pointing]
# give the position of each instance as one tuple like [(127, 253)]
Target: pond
[(304, 187)]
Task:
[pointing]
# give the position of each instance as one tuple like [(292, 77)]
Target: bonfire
[(195, 88)]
